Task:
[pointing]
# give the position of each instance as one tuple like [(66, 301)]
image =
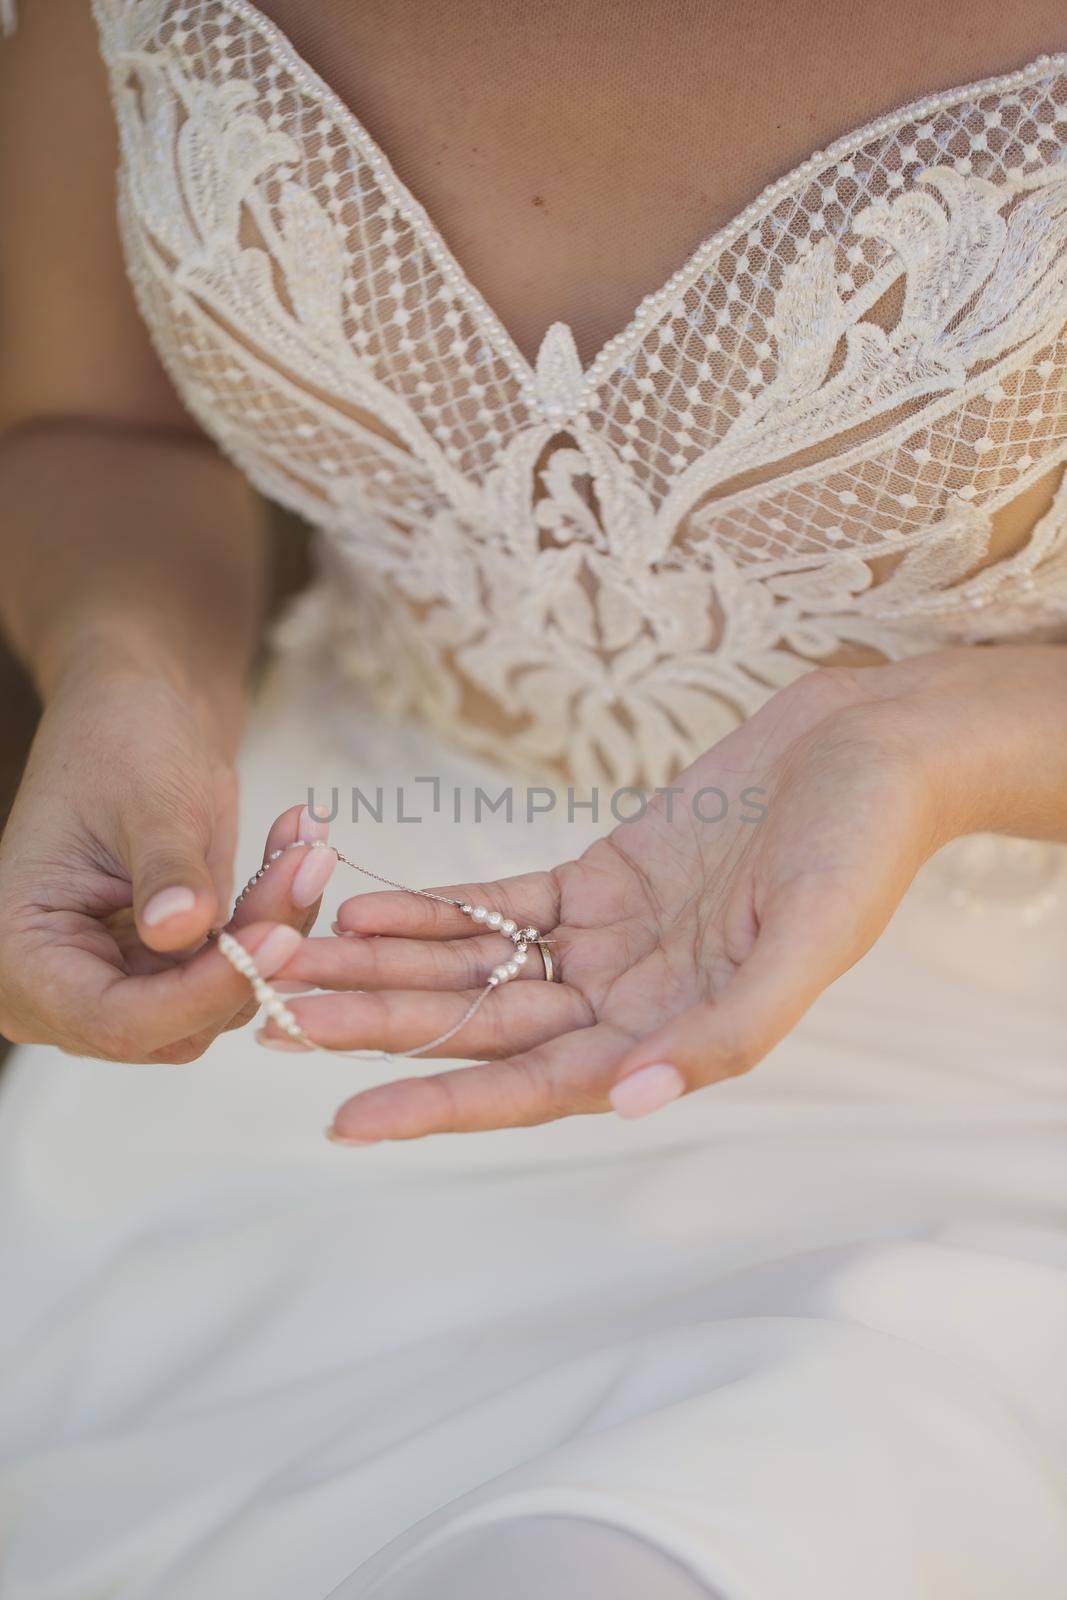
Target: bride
[(680, 397)]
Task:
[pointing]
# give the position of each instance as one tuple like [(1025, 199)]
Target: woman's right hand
[(133, 590), (115, 864)]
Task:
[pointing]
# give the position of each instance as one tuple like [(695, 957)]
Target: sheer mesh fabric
[(836, 432)]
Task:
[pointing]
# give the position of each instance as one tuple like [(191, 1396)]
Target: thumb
[(801, 949), (175, 901)]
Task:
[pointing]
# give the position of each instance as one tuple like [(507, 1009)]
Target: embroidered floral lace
[(613, 565)]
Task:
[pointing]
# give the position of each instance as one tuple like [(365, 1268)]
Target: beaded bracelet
[(279, 1012)]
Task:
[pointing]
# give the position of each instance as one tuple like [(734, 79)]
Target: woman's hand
[(688, 948), (115, 864)]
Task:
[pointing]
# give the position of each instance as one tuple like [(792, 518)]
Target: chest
[(573, 155), (791, 444)]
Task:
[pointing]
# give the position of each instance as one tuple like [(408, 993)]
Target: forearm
[(138, 550), (991, 723)]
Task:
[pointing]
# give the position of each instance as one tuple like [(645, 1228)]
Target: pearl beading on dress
[(275, 1007), (649, 308), (616, 562)]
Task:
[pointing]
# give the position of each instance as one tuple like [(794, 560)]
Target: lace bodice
[(798, 444)]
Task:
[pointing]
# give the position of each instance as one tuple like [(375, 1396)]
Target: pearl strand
[(272, 1003), (275, 1007)]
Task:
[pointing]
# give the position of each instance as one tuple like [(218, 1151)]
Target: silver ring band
[(551, 975)]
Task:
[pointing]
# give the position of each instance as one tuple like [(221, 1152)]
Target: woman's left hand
[(687, 948)]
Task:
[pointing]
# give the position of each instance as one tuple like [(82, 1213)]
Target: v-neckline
[(559, 334)]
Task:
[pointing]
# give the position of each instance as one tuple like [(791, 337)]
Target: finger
[(290, 883), (531, 899), (805, 942), (146, 1014), (515, 1018), (223, 847), (386, 963), (295, 823), (167, 849), (567, 1077)]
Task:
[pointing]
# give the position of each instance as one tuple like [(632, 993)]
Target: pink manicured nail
[(277, 948), (340, 1138), (310, 829), (268, 1042), (167, 903), (312, 875), (647, 1089)]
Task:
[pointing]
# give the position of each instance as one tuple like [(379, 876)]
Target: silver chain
[(279, 1012)]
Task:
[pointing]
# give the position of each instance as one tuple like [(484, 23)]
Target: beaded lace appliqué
[(617, 563)]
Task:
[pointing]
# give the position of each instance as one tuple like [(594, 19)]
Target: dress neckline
[(558, 337)]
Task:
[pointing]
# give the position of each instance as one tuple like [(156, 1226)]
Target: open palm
[(678, 940)]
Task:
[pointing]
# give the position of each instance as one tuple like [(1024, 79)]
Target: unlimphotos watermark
[(420, 798)]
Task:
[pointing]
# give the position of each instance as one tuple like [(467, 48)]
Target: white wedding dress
[(800, 1337)]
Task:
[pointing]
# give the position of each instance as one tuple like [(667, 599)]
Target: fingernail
[(312, 875), (294, 988), (310, 830), (647, 1089), (341, 1138), (167, 903), (268, 1042), (280, 944), (343, 933)]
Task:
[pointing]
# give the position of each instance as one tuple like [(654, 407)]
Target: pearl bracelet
[(521, 938)]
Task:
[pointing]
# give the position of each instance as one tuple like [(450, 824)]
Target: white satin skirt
[(803, 1334)]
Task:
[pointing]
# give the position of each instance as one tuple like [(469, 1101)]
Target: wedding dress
[(798, 1336)]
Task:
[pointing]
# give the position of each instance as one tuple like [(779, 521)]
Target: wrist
[(986, 725), (102, 656)]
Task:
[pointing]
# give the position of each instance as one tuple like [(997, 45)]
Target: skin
[(79, 970), (691, 945), (133, 584), (134, 581)]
